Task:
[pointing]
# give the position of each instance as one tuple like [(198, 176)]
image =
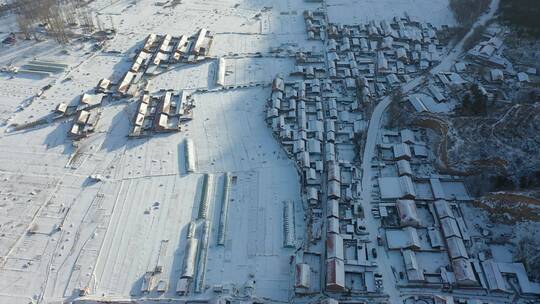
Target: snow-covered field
[(108, 240), (111, 231), (435, 12)]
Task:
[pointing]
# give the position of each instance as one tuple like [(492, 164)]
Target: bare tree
[(395, 111), (56, 16)]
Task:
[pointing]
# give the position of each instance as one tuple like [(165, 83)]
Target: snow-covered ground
[(111, 231), (435, 12), (109, 240)]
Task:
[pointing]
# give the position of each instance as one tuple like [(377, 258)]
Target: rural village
[(298, 151)]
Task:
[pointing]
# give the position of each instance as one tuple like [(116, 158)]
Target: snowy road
[(453, 55), (372, 224)]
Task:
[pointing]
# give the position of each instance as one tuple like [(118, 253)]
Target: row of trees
[(55, 17), (467, 11), (528, 252), (523, 15), (474, 102), (395, 110)]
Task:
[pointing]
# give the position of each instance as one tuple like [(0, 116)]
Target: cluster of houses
[(420, 213), (318, 132), (313, 121), (84, 123), (423, 224), (315, 24), (164, 113), (319, 118), (85, 117), (160, 52), (486, 66), (318, 114), (384, 54), (498, 74)]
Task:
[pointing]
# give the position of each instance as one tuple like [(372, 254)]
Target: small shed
[(401, 151), (303, 276), (61, 108), (496, 75), (334, 172), (456, 248), (522, 77), (333, 225), (332, 208), (407, 187), (450, 227), (404, 167), (335, 275), (334, 246), (278, 84), (408, 214), (437, 188), (104, 84), (82, 117), (314, 146), (442, 207), (407, 136), (312, 193), (414, 272), (464, 272), (334, 189)]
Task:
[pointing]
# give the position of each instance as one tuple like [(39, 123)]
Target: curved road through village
[(372, 134)]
